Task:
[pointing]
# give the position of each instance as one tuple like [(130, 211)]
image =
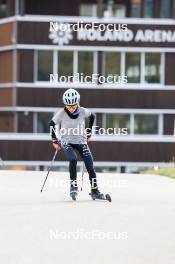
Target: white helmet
[(71, 97)]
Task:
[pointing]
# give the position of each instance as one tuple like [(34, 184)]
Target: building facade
[(35, 52)]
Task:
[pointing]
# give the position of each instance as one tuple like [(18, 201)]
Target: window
[(143, 124), (118, 121), (135, 8), (148, 8), (165, 8), (146, 124), (133, 67), (173, 8), (65, 63), (88, 10), (152, 67), (45, 65), (139, 67), (3, 9), (119, 10), (61, 63), (43, 122), (111, 63), (108, 9), (85, 63), (114, 10)]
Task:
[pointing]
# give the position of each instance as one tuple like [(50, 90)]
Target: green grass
[(169, 172)]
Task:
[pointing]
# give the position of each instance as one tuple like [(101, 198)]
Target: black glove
[(89, 133)]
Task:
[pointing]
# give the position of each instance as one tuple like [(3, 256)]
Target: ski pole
[(82, 177), (49, 169)]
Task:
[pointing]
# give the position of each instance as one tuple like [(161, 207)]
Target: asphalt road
[(138, 227)]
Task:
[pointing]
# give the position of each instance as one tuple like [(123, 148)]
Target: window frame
[(160, 123), (95, 66), (56, 66)]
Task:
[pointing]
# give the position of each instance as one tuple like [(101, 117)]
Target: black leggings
[(85, 153)]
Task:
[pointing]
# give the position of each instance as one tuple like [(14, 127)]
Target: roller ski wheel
[(108, 198), (97, 195), (73, 193)]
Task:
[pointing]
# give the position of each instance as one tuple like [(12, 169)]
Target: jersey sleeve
[(87, 112)]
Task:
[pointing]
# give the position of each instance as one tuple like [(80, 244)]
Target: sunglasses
[(71, 106)]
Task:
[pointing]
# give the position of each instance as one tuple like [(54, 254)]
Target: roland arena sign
[(120, 35), (116, 35)]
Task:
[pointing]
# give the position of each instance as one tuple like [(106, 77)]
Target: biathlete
[(69, 119)]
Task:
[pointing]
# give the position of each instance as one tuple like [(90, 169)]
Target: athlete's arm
[(91, 122), (52, 129), (55, 142)]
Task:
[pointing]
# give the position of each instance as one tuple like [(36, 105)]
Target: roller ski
[(73, 192), (97, 195)]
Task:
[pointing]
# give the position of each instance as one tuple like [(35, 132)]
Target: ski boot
[(73, 191), (96, 194)]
